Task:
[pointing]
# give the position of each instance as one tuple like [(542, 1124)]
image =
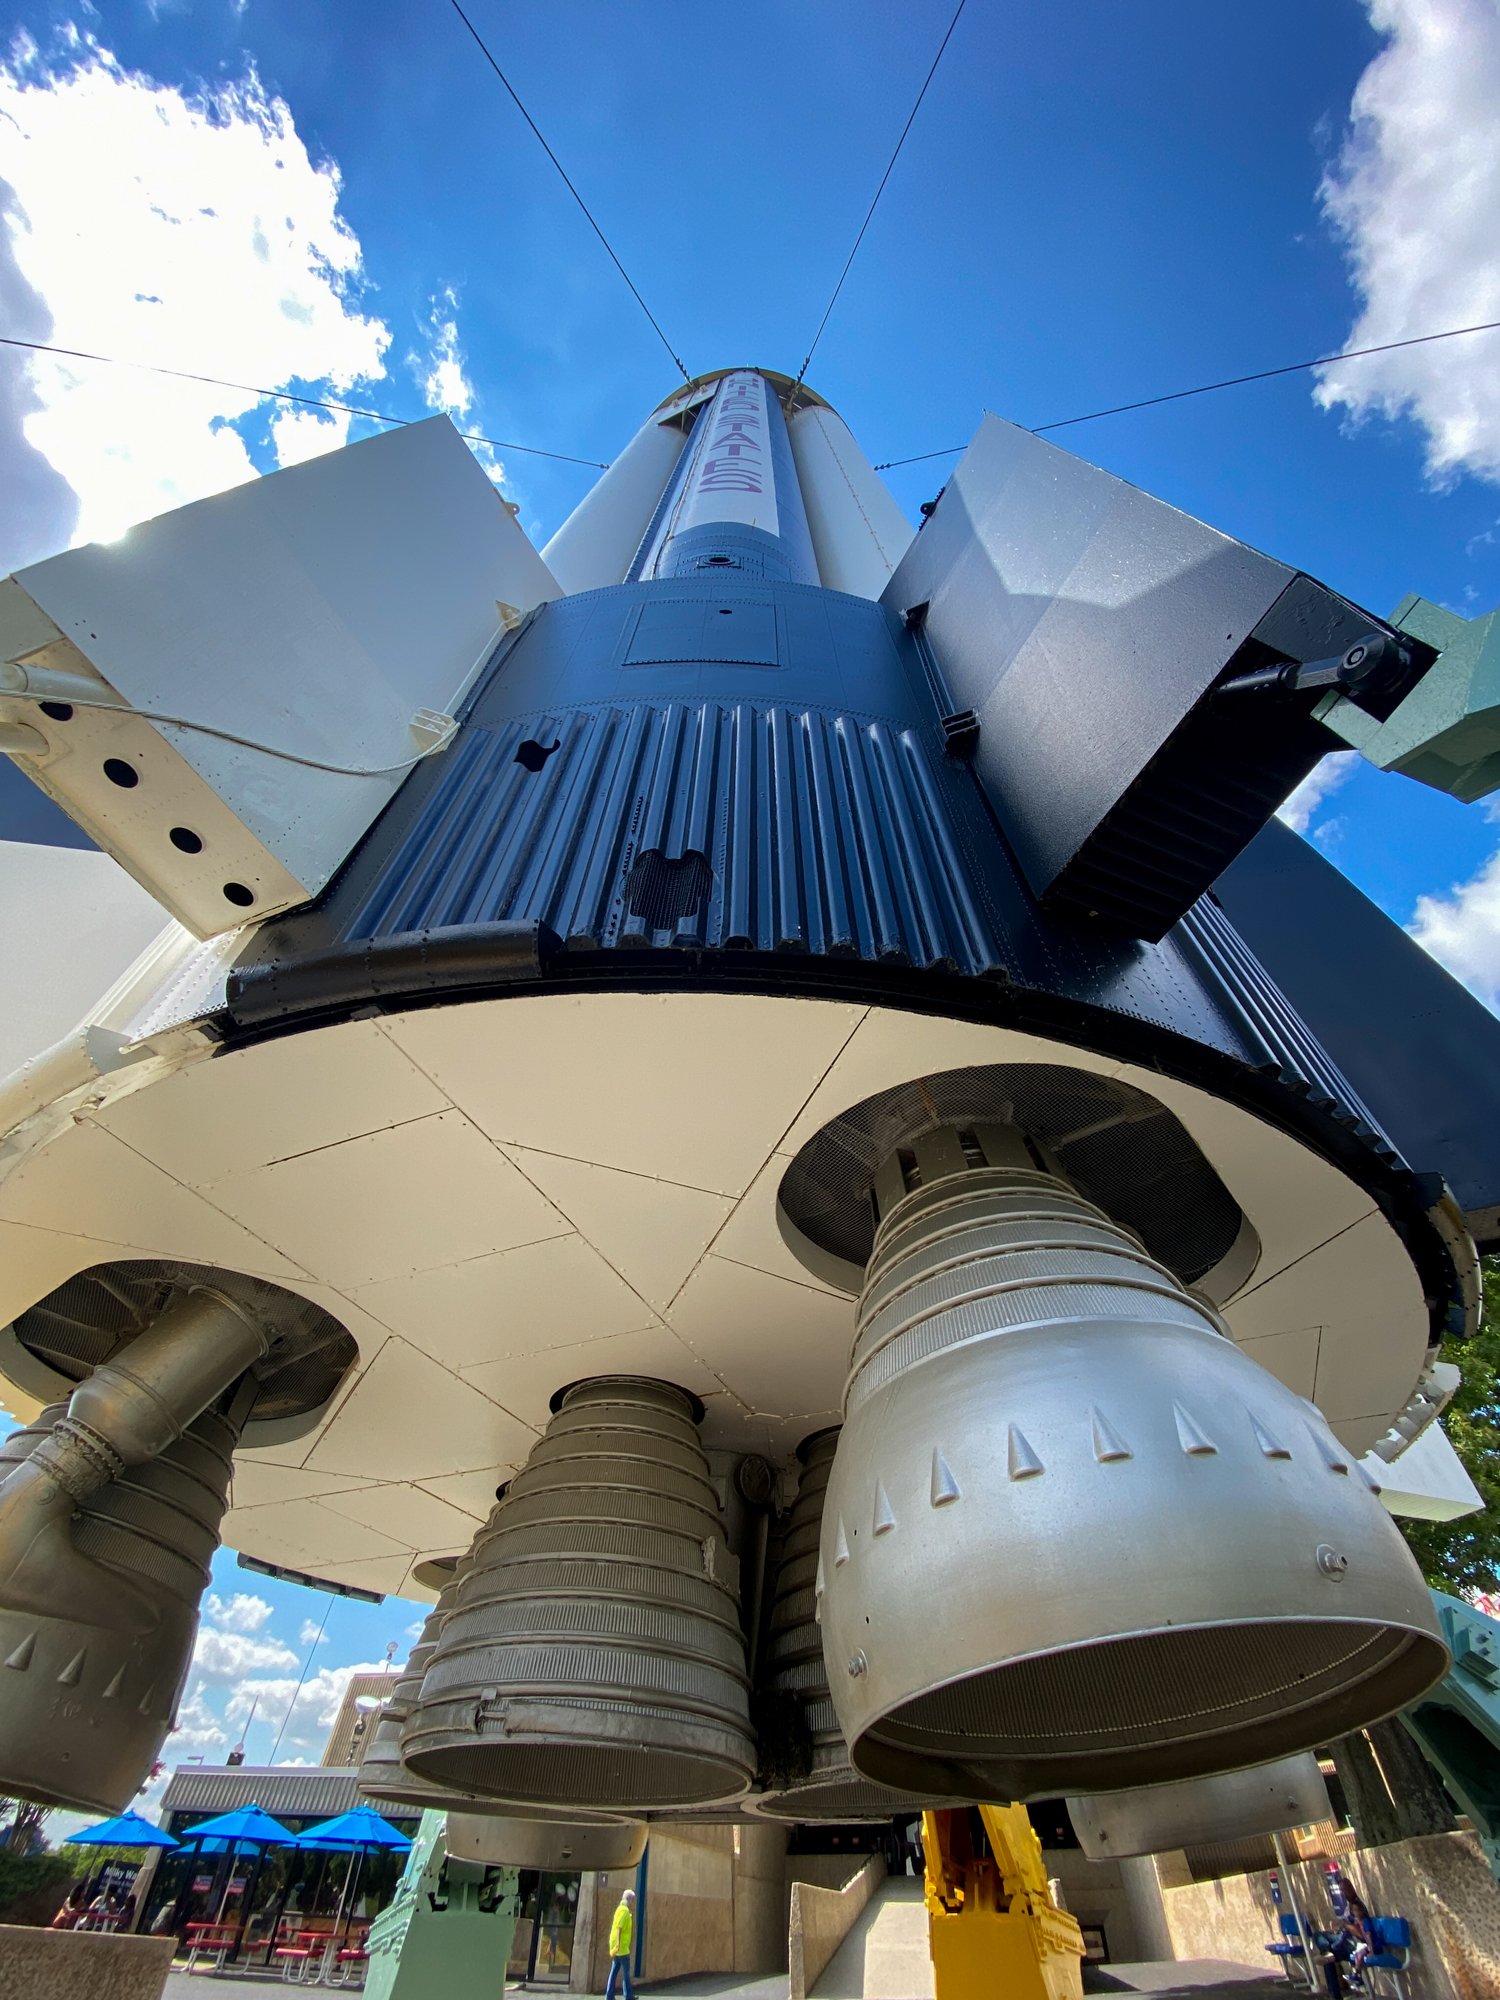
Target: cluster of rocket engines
[(966, 1600)]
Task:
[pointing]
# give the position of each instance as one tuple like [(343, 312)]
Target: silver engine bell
[(493, 1841), (593, 1657), (110, 1508), (1074, 1539), (98, 1620), (830, 1791), (1236, 1805), (382, 1775)]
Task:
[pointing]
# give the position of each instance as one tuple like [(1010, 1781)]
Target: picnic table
[(349, 1965), (211, 1940), (300, 1954), (321, 1958)]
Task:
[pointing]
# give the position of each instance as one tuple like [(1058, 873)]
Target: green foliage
[(1464, 1555), (32, 1886), (87, 1860)]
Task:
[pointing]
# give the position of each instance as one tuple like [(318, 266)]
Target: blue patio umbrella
[(355, 1833), (360, 1828), (126, 1830), (249, 1826), (246, 1826)]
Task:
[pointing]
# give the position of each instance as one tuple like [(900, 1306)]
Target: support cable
[(301, 1678), (484, 50), (286, 396), (869, 213), (1207, 388), (65, 697)]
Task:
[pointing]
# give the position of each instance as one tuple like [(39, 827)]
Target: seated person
[(1352, 1946)]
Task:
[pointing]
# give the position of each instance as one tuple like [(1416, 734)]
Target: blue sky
[(1098, 202)]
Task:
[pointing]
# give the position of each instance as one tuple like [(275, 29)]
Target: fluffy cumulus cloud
[(230, 1656), (198, 1730), (240, 1613), (440, 371), (199, 1737), (1415, 193), (302, 434), (1462, 929), (1301, 806), (310, 1710), (190, 230)]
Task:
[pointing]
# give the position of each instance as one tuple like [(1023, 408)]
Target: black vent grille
[(664, 890), (784, 830)]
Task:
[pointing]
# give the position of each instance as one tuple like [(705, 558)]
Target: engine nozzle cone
[(1074, 1539), (593, 1657)]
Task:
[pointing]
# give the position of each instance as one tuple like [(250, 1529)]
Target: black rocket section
[(721, 776), (1423, 1052)]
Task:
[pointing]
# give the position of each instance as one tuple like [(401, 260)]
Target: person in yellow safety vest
[(621, 1941)]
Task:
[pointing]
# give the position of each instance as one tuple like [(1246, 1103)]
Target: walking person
[(621, 1944)]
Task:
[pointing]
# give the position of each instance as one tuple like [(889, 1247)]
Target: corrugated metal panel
[(285, 1791), (603, 796), (1426, 1057), (822, 832), (1274, 1035), (773, 828)]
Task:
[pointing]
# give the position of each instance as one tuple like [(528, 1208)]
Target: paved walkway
[(1201, 1979), (1190, 1979), (885, 1956)]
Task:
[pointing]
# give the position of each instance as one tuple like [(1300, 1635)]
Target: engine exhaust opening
[(593, 1657), (1074, 1539)]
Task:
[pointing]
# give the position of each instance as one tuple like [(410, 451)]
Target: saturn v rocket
[(755, 1104)]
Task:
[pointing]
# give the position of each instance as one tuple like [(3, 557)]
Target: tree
[(1389, 1787), (1464, 1555), (22, 1823)]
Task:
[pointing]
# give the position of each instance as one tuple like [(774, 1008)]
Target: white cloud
[(312, 1634), (302, 434), (316, 1706), (1329, 833), (197, 1728), (1462, 930), (1298, 808), (240, 1613), (191, 231), (442, 375), (229, 1656), (1415, 194)]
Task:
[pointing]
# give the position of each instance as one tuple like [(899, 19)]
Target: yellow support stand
[(994, 1930)]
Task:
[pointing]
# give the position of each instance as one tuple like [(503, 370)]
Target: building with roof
[(351, 1726), (299, 1795)]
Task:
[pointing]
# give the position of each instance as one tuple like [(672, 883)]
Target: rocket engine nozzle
[(110, 1508), (1074, 1539), (98, 1615), (1235, 1805), (593, 1656)]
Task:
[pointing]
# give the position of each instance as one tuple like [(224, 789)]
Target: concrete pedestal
[(82, 1965)]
